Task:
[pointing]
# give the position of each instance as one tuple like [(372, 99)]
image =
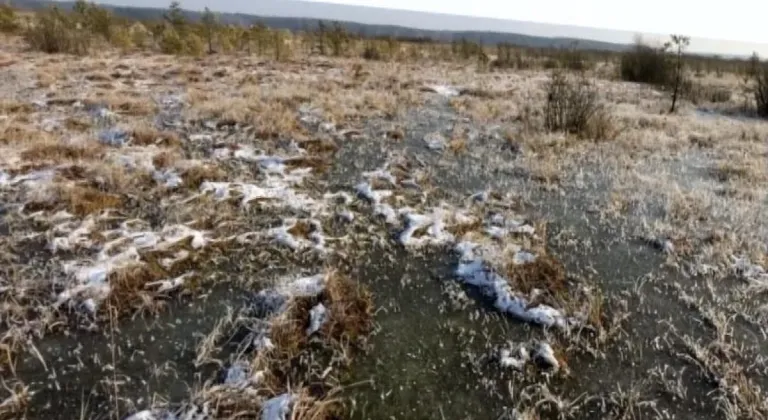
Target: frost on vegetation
[(314, 239), (88, 278), (476, 272), (278, 408), (191, 412), (435, 141), (432, 225), (317, 317), (276, 194), (517, 357), (168, 178), (754, 274), (747, 270), (29, 180), (443, 90), (114, 137), (366, 191)]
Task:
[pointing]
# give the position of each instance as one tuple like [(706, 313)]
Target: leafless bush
[(760, 89), (56, 32), (572, 105), (645, 64)]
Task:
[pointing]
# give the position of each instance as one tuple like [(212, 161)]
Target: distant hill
[(297, 23)]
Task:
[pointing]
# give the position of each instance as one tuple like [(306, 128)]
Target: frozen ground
[(228, 236)]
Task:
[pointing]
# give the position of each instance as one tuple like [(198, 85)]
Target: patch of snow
[(476, 272), (435, 141), (169, 178), (444, 90), (304, 286), (317, 317), (277, 408), (114, 137)]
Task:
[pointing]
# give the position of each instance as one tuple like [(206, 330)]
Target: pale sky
[(721, 27), (733, 20)]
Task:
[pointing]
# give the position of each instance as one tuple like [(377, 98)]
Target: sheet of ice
[(277, 408), (346, 216), (114, 137), (317, 317), (169, 178), (387, 212), (432, 224), (381, 174), (303, 286), (176, 233), (523, 257), (515, 357), (282, 237), (365, 190), (238, 374), (162, 286), (444, 90), (435, 141), (544, 354)]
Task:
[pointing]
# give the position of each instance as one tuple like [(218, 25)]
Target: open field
[(234, 237)]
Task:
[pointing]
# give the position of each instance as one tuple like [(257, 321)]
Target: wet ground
[(429, 357)]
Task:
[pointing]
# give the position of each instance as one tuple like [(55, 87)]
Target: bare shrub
[(645, 64), (760, 90), (8, 22), (571, 105), (55, 32), (371, 52)]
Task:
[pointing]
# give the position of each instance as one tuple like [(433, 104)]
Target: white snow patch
[(277, 408), (317, 317)]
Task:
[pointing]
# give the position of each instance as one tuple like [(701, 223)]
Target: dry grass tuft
[(350, 307), (320, 146), (58, 152), (132, 106), (14, 107), (128, 292), (77, 124), (16, 132), (164, 159), (196, 175), (83, 201), (546, 274), (149, 136)]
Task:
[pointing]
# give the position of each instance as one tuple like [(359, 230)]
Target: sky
[(734, 20), (735, 27)]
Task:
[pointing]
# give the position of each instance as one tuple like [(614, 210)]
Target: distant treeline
[(399, 33)]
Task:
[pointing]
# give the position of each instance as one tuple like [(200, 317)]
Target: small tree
[(338, 38), (8, 21), (678, 43), (645, 64), (175, 17), (210, 25), (759, 73)]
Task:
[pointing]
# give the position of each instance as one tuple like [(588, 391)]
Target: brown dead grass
[(350, 307), (126, 105), (148, 136), (15, 107), (77, 124), (83, 201), (196, 175), (165, 159), (319, 146), (546, 274), (128, 292), (18, 132), (59, 152)]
